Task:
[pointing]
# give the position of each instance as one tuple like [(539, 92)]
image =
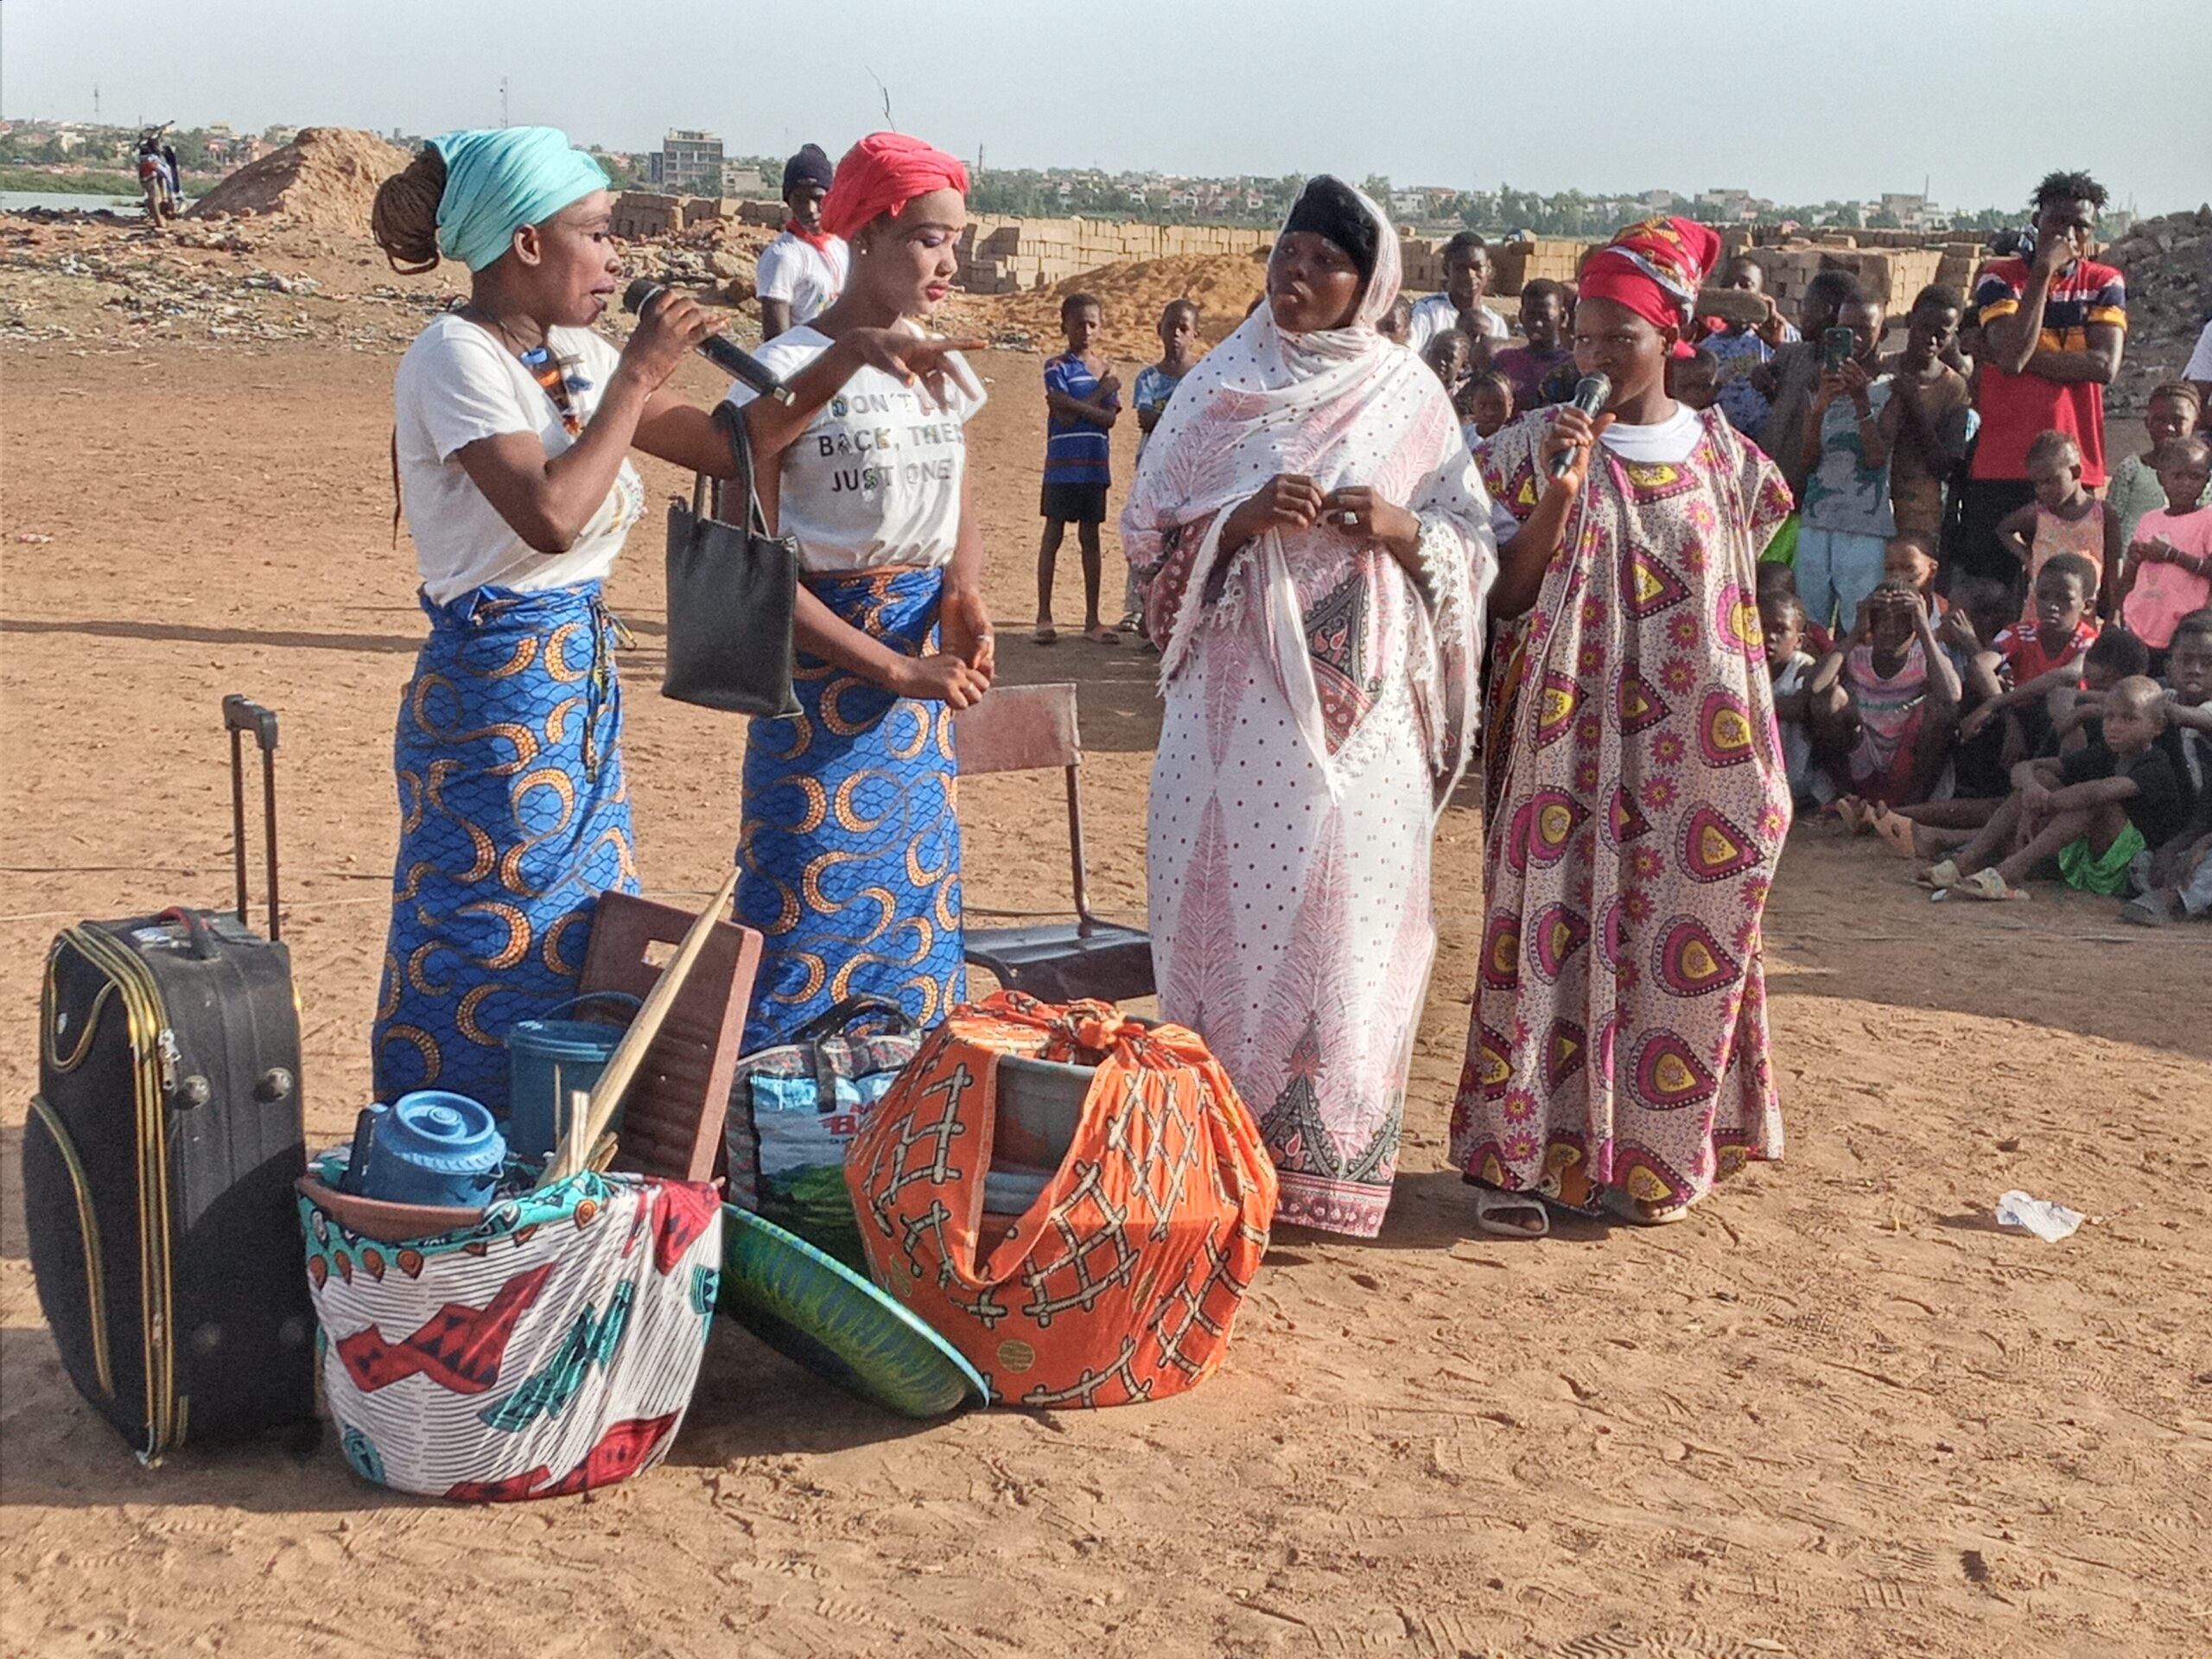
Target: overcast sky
[(1791, 99)]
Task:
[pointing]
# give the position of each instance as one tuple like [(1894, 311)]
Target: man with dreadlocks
[(2053, 322)]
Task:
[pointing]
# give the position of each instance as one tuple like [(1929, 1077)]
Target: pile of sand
[(1132, 296), (325, 180)]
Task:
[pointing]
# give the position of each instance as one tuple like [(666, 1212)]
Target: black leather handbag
[(733, 589)]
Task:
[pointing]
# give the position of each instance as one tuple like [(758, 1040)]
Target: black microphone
[(716, 350), (1591, 395)]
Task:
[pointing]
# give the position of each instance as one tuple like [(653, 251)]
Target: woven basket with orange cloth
[(1119, 1282)]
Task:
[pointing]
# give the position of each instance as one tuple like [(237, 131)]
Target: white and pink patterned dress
[(1320, 704)]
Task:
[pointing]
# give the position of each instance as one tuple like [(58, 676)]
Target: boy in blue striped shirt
[(1081, 401)]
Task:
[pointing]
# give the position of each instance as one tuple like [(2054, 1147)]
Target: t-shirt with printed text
[(875, 480)]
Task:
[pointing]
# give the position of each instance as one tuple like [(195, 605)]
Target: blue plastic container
[(429, 1148), (547, 1059)]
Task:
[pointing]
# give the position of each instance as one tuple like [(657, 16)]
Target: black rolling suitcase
[(159, 1158)]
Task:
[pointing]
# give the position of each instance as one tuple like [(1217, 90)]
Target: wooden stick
[(575, 1147)]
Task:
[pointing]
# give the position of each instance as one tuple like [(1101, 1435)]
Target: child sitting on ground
[(2064, 518), (1156, 384), (1082, 403), (2168, 570), (1541, 371), (2094, 811), (1695, 381), (1847, 519), (2068, 703), (1884, 705), (1930, 419), (2044, 655), (2176, 410), (1739, 348), (1484, 404), (2178, 876), (1782, 624)]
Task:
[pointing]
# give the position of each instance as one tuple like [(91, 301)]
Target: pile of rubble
[(120, 286), (2168, 263)]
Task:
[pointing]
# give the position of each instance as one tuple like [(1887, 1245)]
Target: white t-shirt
[(806, 278), (2200, 360), (457, 384), (1435, 314), (874, 479)]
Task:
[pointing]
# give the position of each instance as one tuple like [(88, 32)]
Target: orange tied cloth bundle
[(1121, 1279)]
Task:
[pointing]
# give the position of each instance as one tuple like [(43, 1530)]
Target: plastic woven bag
[(795, 1108), (1120, 1281), (551, 1349)]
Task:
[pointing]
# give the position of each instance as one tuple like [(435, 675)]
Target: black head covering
[(810, 166), (1327, 207)]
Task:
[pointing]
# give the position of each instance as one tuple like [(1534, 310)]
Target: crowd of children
[(1966, 684)]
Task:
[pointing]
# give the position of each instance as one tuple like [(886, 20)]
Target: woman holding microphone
[(1617, 1062), (512, 425)]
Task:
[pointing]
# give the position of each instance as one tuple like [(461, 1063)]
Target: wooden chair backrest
[(1019, 729)]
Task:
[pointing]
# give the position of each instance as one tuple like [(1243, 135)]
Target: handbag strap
[(732, 420)]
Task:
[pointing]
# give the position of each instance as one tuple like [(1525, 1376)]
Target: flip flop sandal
[(1102, 635), (1621, 1207), (1045, 634), (1989, 885), (1856, 816), (1895, 828), (2144, 913), (1941, 875), (1492, 1207)]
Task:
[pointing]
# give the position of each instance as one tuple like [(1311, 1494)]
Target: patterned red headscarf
[(880, 174), (1654, 269)]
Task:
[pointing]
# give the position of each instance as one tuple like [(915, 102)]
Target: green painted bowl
[(813, 1309)]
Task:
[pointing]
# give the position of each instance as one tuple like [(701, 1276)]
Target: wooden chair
[(1030, 728)]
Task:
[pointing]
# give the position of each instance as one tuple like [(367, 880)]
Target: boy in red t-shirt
[(2052, 327), (2043, 659)]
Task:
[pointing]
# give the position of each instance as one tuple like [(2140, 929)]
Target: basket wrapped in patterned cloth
[(1121, 1281), (549, 1348)]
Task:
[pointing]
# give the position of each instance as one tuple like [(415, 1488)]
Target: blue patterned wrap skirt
[(850, 856), (514, 818)]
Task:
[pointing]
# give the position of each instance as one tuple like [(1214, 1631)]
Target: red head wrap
[(1654, 269), (880, 174)]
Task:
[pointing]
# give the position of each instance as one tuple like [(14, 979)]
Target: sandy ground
[(1835, 1414)]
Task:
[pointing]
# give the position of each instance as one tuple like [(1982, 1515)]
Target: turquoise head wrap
[(499, 179)]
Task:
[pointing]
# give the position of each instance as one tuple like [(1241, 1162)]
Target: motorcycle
[(159, 179)]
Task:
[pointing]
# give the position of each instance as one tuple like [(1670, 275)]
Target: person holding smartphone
[(1845, 517)]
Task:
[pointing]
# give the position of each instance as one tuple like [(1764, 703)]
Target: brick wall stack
[(1516, 264), (1891, 275), (1012, 256)]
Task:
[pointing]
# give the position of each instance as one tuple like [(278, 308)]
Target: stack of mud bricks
[(1554, 258), (640, 215), (1891, 274), (1012, 256)]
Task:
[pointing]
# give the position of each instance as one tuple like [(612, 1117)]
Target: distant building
[(688, 163), (749, 178)]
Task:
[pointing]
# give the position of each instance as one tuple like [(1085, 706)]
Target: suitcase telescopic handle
[(242, 715)]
